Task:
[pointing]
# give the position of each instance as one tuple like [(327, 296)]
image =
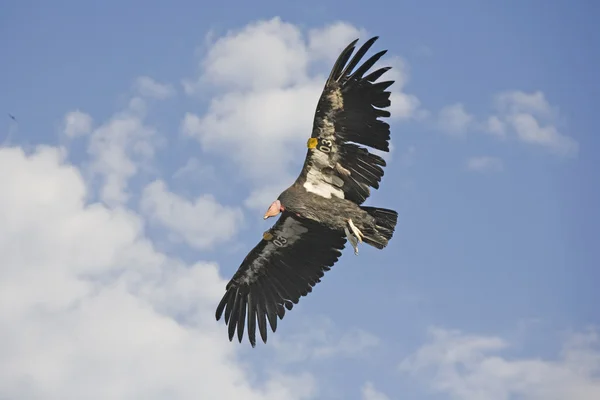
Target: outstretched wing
[(348, 111), (292, 258)]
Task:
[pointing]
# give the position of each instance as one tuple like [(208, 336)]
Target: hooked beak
[(273, 210)]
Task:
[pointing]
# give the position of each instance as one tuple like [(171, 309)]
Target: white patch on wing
[(317, 182), (291, 230), (323, 185)]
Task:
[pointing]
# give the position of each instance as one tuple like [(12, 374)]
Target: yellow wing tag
[(267, 236), (312, 143)]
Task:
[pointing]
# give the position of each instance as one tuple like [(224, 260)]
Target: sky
[(151, 137)]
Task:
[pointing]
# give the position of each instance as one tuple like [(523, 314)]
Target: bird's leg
[(355, 230), (352, 240), (354, 235)]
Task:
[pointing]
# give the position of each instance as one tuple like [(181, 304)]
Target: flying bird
[(322, 209)]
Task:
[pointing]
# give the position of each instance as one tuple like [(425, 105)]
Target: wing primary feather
[(370, 173), (381, 100), (221, 306), (272, 315), (280, 310), (293, 279), (382, 113), (381, 86), (270, 302), (229, 306), (281, 295), (300, 278), (234, 314), (261, 314), (242, 318), (281, 289), (291, 287), (367, 65), (373, 76), (359, 55), (340, 62), (251, 319)]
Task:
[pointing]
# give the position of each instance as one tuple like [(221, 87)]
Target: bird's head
[(275, 208)]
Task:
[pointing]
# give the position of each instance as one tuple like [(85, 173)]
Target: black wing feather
[(242, 317), (359, 54), (283, 267), (358, 74), (261, 314), (235, 312), (373, 76), (251, 319), (341, 61)]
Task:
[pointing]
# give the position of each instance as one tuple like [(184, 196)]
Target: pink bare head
[(274, 209)]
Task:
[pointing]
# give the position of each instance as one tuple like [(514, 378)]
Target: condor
[(322, 208)]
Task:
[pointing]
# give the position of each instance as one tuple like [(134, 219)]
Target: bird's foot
[(354, 237), (352, 240), (355, 230)]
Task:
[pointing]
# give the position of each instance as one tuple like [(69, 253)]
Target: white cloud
[(257, 130), (533, 120), (77, 123), (201, 223), (511, 102), (261, 198), (530, 131), (148, 87), (113, 147), (193, 168), (136, 106), (404, 105), (495, 126), (454, 119), (264, 55), (327, 42), (262, 120), (370, 393), (527, 116), (86, 300), (468, 367), (119, 148), (485, 164), (319, 340)]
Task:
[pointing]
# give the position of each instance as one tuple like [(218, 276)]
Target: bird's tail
[(385, 223)]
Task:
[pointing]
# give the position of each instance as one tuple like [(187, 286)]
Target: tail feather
[(385, 224)]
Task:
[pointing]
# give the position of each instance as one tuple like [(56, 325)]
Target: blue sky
[(166, 115)]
